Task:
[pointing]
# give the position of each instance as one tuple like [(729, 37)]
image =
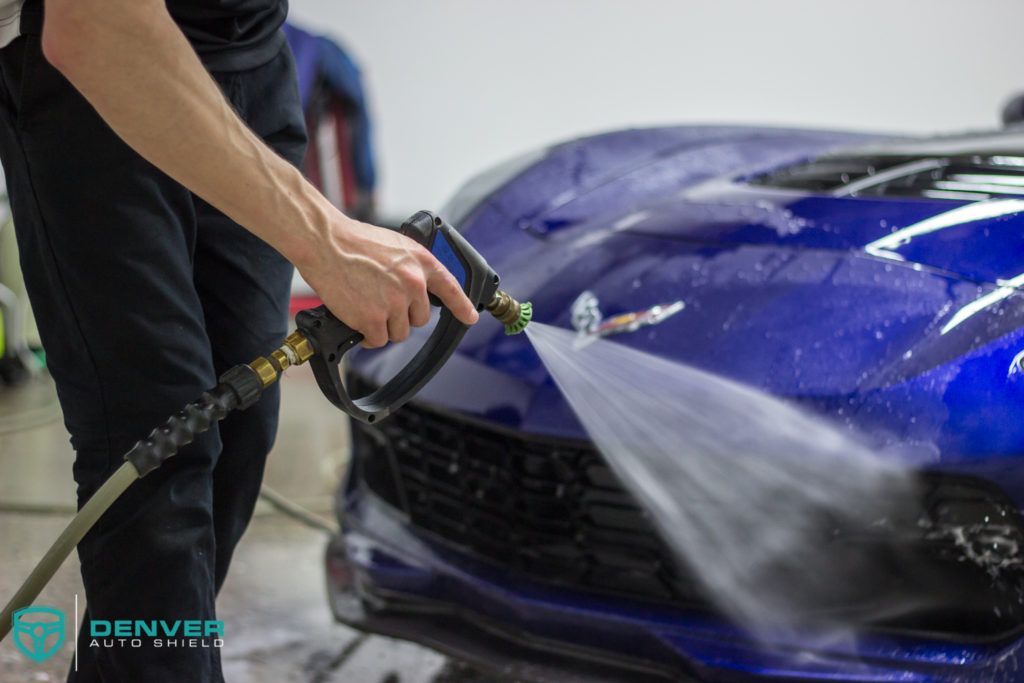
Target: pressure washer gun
[(321, 339), (330, 338)]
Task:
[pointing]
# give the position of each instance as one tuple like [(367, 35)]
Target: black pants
[(143, 294)]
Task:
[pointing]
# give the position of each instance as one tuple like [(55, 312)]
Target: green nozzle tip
[(525, 316)]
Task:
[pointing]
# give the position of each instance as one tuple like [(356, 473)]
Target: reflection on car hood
[(688, 183)]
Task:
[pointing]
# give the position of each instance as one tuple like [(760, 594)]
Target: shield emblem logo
[(38, 632)]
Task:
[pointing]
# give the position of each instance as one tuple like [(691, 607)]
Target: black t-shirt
[(228, 35), (232, 35)]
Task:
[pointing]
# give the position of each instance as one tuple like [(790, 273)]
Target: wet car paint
[(892, 316)]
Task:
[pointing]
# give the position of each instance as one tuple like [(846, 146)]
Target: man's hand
[(378, 280), (135, 67)]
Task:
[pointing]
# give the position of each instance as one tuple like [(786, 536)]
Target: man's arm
[(133, 64)]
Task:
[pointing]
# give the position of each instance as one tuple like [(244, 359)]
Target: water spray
[(757, 499), (322, 340)]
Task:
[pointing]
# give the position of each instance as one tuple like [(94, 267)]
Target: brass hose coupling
[(295, 350)]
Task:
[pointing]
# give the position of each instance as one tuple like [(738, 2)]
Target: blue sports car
[(872, 279)]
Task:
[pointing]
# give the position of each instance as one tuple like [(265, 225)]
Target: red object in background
[(329, 162), (311, 164), (301, 302), (343, 144), (330, 166)]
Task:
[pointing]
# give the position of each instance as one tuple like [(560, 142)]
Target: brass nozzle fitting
[(514, 315), (504, 307)]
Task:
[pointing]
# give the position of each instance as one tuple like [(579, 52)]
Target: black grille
[(826, 174), (549, 509), (955, 178)]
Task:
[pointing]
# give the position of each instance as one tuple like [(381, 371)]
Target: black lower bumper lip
[(477, 640)]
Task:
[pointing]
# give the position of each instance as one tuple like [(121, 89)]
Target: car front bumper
[(385, 577)]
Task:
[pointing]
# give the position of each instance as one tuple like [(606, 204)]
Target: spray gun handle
[(332, 339)]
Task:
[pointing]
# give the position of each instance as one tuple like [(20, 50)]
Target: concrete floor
[(278, 627)]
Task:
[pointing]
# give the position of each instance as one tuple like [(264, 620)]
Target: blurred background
[(455, 85)]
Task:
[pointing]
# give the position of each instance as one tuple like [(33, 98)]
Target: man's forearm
[(133, 64)]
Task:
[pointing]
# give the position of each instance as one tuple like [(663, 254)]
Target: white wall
[(459, 84)]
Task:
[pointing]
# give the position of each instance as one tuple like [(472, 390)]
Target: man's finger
[(419, 311), (444, 285), (398, 327), (375, 336)]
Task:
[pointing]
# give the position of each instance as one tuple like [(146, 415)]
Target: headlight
[(483, 185)]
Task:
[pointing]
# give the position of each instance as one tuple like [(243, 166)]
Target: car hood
[(878, 345), (692, 183), (617, 172)]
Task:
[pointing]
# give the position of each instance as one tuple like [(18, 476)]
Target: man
[(150, 153)]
